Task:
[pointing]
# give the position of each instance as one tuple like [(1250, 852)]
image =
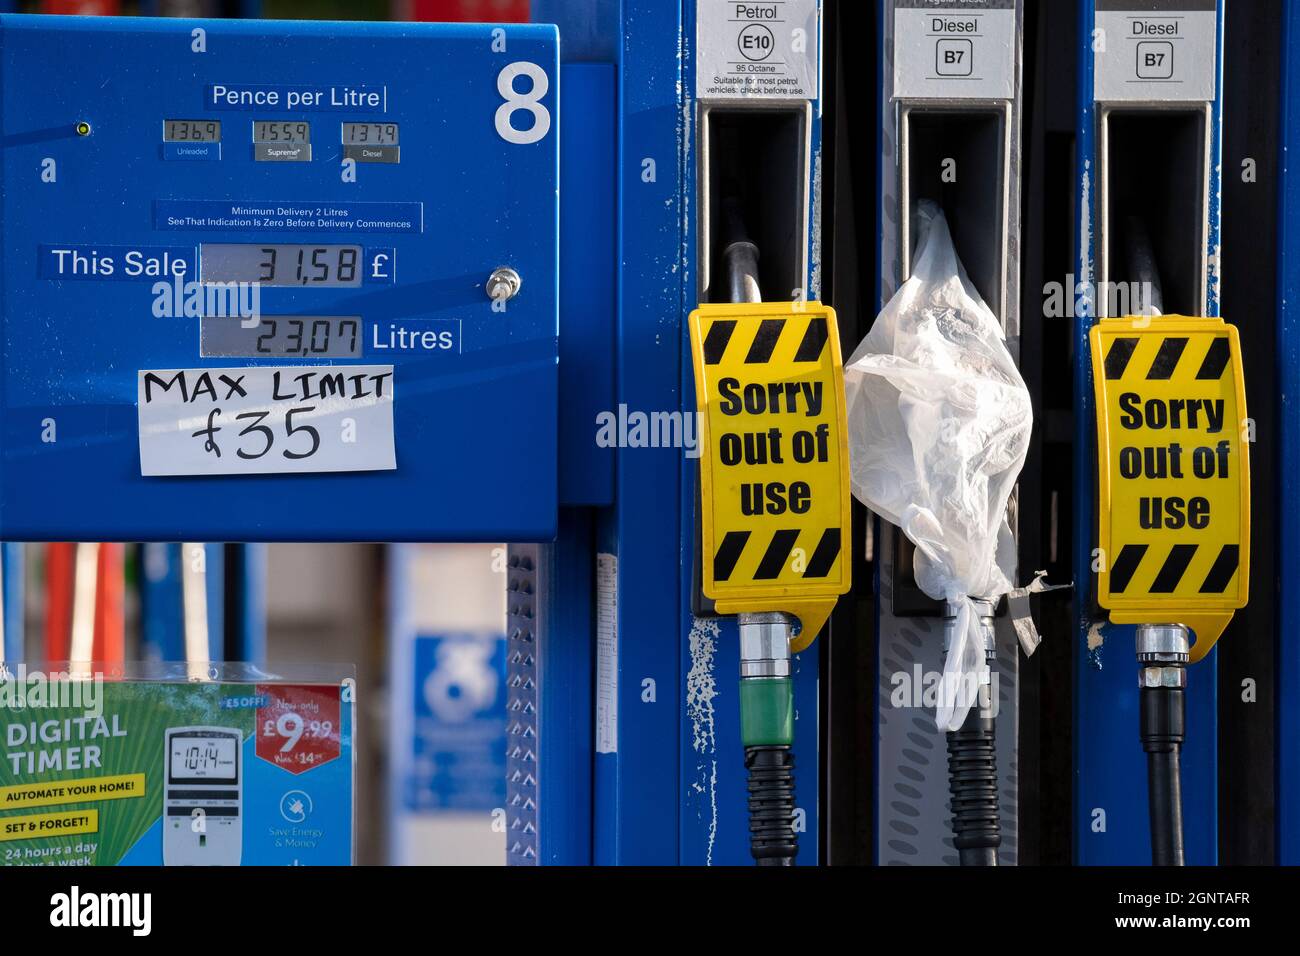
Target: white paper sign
[(756, 50), (266, 420)]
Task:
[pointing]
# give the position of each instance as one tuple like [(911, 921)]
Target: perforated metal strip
[(521, 705)]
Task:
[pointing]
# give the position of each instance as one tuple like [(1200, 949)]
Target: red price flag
[(298, 726)]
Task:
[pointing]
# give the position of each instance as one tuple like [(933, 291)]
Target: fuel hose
[(1163, 651), (766, 687), (972, 764)]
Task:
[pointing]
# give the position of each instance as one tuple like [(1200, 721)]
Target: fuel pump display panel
[(229, 302), (279, 264)]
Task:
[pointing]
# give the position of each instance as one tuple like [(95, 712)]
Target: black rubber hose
[(1163, 716), (973, 785), (772, 839)]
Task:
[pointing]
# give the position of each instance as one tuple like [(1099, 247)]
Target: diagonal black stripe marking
[(1171, 350), (769, 332), (777, 553), (1225, 566), (1180, 556), (1130, 556), (1216, 360), (724, 562), (1121, 350), (828, 549), (814, 340), (715, 343)]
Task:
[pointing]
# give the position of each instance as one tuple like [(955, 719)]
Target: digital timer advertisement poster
[(202, 773)]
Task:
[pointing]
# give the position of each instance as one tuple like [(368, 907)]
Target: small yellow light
[(83, 128)]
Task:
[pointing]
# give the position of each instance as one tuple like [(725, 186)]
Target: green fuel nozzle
[(767, 732)]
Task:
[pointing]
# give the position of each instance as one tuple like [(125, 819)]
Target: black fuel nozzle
[(1163, 651)]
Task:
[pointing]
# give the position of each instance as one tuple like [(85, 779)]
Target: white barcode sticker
[(266, 420)]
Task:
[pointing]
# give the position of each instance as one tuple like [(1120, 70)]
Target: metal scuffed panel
[(914, 807)]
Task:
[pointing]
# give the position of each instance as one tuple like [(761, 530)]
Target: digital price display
[(281, 131), (314, 336), (370, 134), (202, 758), (191, 131), (281, 264)]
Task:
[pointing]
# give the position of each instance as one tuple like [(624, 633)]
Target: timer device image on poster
[(202, 803)]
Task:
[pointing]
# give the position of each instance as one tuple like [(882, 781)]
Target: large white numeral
[(530, 101)]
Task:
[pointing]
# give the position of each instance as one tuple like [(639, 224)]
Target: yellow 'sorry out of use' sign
[(774, 469), (1173, 444)]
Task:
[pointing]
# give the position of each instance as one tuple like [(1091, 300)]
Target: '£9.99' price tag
[(298, 727)]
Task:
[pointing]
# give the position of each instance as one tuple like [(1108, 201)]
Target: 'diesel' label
[(954, 50), (1173, 446), (1155, 50)]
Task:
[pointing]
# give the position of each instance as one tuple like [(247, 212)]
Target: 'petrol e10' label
[(1173, 442), (757, 49)]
